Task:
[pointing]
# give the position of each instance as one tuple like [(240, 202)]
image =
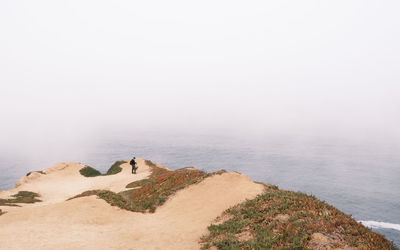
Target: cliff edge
[(73, 206)]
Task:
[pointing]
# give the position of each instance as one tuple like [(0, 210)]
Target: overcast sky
[(73, 68)]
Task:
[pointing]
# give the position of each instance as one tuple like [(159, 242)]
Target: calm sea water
[(360, 178)]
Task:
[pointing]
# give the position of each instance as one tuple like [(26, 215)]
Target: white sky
[(72, 68)]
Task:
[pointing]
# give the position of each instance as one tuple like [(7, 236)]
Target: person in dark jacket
[(133, 164)]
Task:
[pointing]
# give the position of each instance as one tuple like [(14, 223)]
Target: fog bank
[(71, 72)]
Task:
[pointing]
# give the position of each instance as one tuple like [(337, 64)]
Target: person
[(133, 164)]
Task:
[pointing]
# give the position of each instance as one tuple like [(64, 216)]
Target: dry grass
[(152, 192), (138, 183), (92, 172), (259, 220), (276, 219), (89, 172), (20, 197), (115, 168)]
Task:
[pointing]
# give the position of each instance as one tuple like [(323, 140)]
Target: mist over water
[(359, 177), (304, 95)]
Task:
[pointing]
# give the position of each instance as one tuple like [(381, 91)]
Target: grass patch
[(151, 192), (138, 183), (20, 197), (92, 172), (89, 172), (115, 168), (150, 163), (305, 215)]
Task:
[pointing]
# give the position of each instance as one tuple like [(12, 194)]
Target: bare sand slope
[(91, 223), (64, 181)]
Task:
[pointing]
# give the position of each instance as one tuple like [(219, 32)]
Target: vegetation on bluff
[(115, 168), (91, 172), (281, 219), (275, 219), (147, 194), (20, 197)]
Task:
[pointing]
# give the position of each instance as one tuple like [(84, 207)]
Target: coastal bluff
[(73, 206)]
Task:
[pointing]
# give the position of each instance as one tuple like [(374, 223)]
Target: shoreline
[(185, 207)]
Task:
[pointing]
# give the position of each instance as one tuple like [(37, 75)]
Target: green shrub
[(151, 192), (138, 183), (89, 172), (115, 168), (259, 219), (20, 197)]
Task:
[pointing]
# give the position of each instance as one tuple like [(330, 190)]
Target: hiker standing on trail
[(133, 164)]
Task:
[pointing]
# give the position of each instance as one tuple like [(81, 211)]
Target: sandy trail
[(91, 223), (64, 181)]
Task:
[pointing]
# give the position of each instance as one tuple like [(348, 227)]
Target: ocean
[(359, 177)]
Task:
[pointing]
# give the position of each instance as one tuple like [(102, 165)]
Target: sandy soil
[(64, 181), (91, 223)]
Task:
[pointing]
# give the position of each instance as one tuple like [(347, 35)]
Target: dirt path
[(91, 223), (64, 181)]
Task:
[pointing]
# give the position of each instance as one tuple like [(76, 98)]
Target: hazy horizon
[(75, 71), (304, 95)]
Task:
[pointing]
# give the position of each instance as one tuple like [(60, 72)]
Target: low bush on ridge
[(276, 219), (115, 168), (20, 197), (91, 172), (138, 183), (152, 192), (281, 219)]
